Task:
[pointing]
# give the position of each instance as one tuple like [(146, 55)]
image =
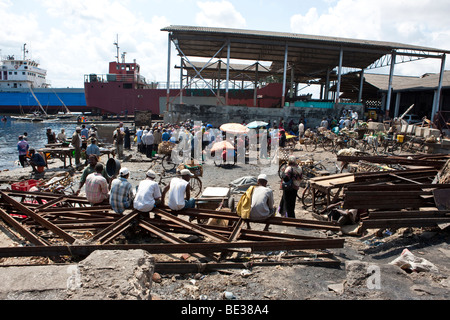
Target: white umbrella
[(257, 124)]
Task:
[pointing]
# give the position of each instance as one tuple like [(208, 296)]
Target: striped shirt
[(121, 195), (96, 188)]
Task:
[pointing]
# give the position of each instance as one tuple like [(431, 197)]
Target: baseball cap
[(186, 172), (124, 172), (151, 174), (262, 177)]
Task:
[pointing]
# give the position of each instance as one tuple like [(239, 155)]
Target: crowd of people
[(256, 205)]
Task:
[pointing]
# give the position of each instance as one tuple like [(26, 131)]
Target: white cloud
[(76, 38), (415, 22), (221, 14)]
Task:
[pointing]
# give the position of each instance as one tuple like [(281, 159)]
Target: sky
[(71, 39)]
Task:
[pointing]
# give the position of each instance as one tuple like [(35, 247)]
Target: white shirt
[(262, 204), (148, 191), (301, 128), (177, 194), (148, 139)]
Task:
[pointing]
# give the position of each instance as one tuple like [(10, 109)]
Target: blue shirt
[(85, 133), (139, 135), (38, 160), (166, 136), (93, 149)]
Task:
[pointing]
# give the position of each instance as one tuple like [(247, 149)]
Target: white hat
[(262, 177), (186, 172), (151, 174), (123, 172)]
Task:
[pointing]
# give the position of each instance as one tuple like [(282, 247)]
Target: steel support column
[(361, 86), (397, 104), (228, 71), (389, 93), (437, 103), (291, 95), (283, 98), (181, 81), (255, 92), (169, 45), (327, 85), (338, 90)]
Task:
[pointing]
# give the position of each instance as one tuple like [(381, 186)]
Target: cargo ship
[(24, 89)]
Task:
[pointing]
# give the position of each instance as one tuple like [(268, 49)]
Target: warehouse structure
[(294, 59)]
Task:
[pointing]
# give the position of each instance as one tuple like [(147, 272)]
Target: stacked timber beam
[(60, 225), (414, 197)]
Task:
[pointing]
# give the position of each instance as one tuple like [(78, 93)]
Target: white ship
[(24, 87)]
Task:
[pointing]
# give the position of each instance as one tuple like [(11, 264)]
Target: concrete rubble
[(103, 275)]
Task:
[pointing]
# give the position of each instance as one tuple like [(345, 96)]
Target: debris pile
[(389, 191), (61, 225)]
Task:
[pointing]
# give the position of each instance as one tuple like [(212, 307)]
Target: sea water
[(37, 138)]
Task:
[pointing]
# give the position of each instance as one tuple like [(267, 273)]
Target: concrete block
[(445, 142), (404, 128), (434, 132), (411, 129), (420, 131), (35, 282)]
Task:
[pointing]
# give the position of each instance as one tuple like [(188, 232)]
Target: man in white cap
[(180, 192), (121, 195), (148, 193), (262, 201)]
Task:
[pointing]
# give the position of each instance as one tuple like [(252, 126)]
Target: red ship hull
[(113, 98), (124, 91)]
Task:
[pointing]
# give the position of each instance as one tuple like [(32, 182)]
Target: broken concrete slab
[(35, 282), (103, 275), (114, 275)]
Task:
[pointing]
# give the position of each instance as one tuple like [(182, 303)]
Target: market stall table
[(59, 152)]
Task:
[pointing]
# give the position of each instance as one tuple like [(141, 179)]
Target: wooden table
[(326, 184), (59, 152), (109, 152)]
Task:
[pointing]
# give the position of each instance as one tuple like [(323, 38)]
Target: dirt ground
[(292, 282)]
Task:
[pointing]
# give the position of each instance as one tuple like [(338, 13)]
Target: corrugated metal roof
[(299, 37), (310, 56), (428, 81)]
